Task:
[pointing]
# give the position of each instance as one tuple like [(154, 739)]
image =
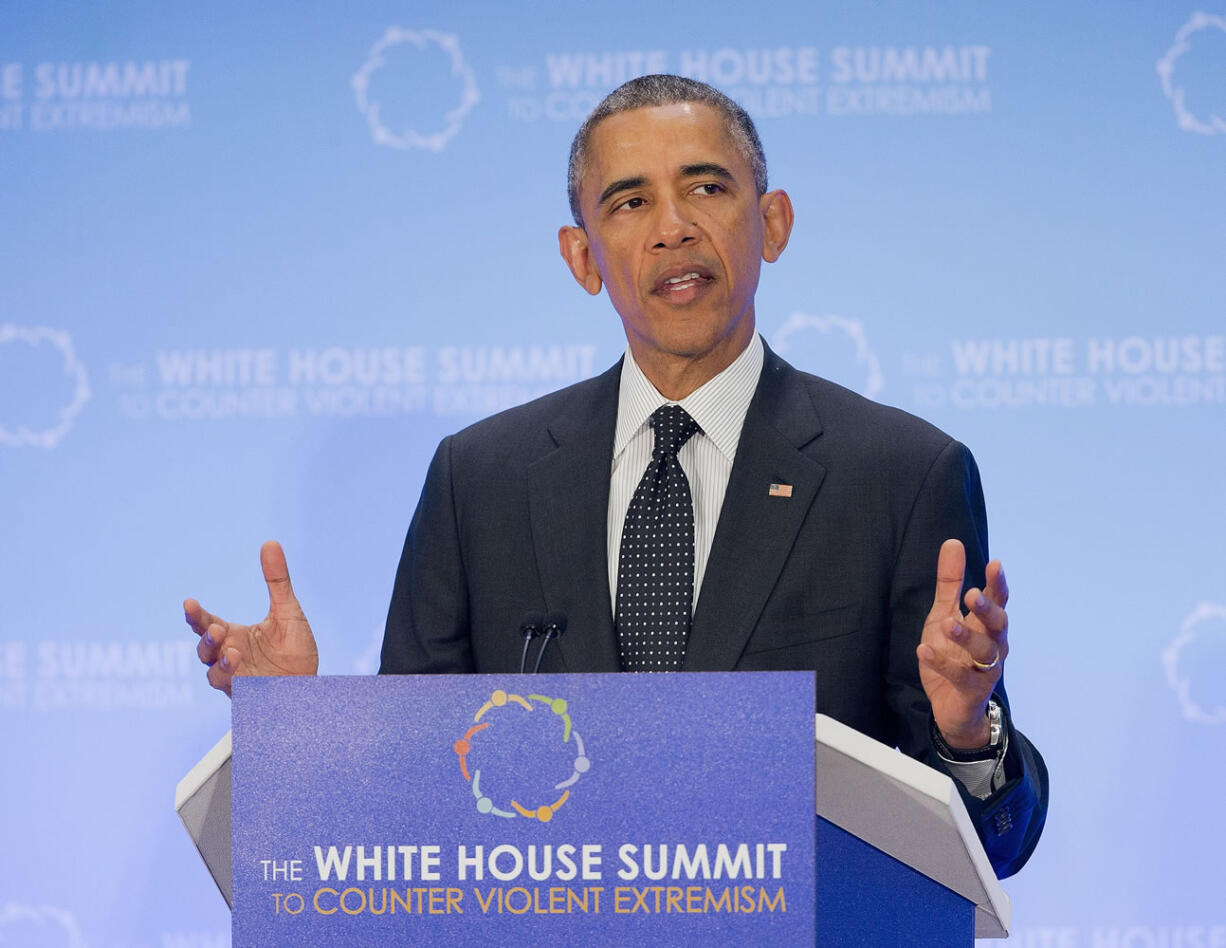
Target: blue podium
[(610, 809)]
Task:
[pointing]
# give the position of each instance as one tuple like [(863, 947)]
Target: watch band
[(991, 750)]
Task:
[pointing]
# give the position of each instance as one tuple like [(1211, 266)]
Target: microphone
[(555, 625), (530, 628)]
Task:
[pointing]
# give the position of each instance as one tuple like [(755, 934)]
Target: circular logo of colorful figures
[(501, 703)]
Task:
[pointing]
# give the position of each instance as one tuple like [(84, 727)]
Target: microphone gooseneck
[(530, 628), (555, 625)]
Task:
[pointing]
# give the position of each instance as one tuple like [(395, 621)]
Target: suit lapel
[(756, 530), (568, 495)]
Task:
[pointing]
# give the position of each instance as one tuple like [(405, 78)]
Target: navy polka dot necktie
[(655, 568)]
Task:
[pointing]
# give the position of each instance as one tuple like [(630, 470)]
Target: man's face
[(676, 231)]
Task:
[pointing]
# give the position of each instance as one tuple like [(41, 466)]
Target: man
[(802, 522)]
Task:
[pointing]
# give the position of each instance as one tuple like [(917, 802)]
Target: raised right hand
[(282, 644), (962, 654)]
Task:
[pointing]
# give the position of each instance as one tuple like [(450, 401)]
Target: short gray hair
[(655, 90)]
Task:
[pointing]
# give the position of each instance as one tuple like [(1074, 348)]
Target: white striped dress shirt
[(719, 407)]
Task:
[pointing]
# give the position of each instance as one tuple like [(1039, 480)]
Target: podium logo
[(43, 386), (513, 763), (1187, 72), (1195, 663), (834, 347), (415, 89)]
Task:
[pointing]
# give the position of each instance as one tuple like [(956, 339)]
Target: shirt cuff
[(977, 776)]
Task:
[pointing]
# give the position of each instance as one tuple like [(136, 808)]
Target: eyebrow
[(622, 184), (704, 169), (687, 171)]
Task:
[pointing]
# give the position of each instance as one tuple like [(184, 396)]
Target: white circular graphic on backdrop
[(1189, 667), (13, 430), (801, 331), (39, 926), (439, 127), (1172, 87)]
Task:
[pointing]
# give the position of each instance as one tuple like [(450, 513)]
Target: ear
[(573, 244), (776, 208)]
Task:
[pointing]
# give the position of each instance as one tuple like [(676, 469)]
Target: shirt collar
[(719, 406)]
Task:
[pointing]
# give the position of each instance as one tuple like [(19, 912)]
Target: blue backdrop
[(256, 261)]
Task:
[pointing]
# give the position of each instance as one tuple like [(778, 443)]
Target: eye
[(708, 188), (629, 204)]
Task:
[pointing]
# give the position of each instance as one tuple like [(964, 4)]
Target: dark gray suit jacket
[(837, 578)]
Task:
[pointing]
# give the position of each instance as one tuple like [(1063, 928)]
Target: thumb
[(951, 566), (276, 575)]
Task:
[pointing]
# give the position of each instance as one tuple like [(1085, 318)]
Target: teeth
[(682, 279)]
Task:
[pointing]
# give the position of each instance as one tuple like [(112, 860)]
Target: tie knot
[(673, 426)]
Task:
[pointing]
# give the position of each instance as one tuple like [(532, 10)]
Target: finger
[(276, 575), (986, 654), (971, 645), (991, 616), (956, 667), (221, 675), (951, 566), (197, 617), (211, 643), (996, 588), (980, 644)]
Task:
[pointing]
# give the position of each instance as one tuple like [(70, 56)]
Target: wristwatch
[(989, 751)]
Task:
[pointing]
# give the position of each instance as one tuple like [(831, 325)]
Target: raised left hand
[(962, 655)]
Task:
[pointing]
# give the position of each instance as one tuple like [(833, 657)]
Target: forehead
[(656, 142)]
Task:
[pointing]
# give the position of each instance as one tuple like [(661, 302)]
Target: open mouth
[(682, 282)]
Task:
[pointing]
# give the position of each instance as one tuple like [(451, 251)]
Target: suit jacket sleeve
[(950, 503), (427, 622)]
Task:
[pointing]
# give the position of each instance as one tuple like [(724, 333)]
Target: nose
[(673, 225)]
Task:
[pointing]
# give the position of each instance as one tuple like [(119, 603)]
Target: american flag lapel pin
[(780, 490)]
